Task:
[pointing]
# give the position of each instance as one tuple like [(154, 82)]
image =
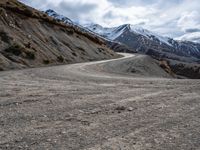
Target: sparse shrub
[(4, 37), (44, 15), (101, 50), (46, 61), (66, 44), (8, 3), (73, 53), (70, 32), (15, 49), (81, 49), (60, 59), (54, 20), (1, 11), (28, 12), (62, 29), (28, 45), (30, 55)]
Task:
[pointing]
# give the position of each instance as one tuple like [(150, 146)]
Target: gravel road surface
[(82, 106)]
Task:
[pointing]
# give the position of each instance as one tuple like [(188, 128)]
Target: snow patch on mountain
[(57, 16), (150, 35), (109, 33)]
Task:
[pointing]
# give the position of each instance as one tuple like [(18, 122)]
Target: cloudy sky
[(172, 18)]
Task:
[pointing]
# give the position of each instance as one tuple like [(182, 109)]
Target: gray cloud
[(126, 3), (76, 10), (192, 30)]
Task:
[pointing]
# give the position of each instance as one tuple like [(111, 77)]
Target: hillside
[(30, 38)]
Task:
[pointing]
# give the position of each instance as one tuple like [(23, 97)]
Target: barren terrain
[(85, 106)]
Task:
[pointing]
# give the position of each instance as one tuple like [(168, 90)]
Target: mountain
[(114, 33), (30, 38), (145, 41), (62, 18)]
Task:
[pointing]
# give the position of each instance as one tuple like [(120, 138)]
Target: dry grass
[(4, 37)]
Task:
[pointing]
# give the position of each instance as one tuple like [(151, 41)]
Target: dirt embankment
[(29, 38), (137, 66)]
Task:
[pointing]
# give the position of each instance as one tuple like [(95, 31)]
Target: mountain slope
[(30, 38), (150, 43)]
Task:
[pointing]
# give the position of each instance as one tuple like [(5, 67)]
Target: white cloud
[(189, 20)]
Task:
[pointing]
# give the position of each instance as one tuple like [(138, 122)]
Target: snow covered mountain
[(150, 43), (115, 32), (57, 16)]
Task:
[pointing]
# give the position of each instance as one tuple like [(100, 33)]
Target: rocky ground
[(82, 106)]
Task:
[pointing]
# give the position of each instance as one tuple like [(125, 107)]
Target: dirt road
[(82, 106)]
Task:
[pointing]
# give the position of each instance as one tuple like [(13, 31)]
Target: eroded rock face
[(188, 70), (29, 38)]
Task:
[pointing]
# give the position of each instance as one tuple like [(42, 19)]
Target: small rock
[(49, 140), (29, 36), (93, 111), (130, 109), (64, 132)]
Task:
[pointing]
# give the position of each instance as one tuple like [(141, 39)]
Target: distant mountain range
[(145, 41), (142, 40)]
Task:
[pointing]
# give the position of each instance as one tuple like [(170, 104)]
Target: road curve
[(81, 106)]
